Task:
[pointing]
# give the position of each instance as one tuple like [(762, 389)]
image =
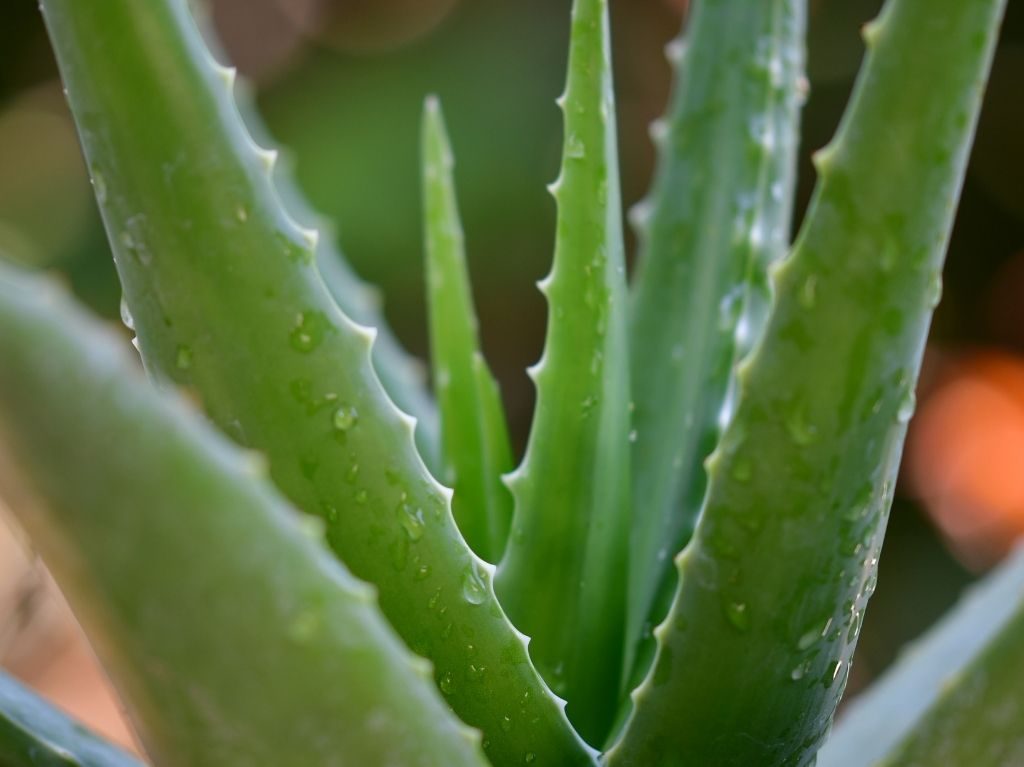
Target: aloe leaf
[(717, 216), (473, 430), (35, 734), (754, 653), (563, 575), (303, 670), (951, 699), (402, 375), (225, 298)]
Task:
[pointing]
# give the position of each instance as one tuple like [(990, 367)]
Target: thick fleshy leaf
[(225, 298), (754, 653), (231, 633), (35, 734), (474, 435), (403, 376), (953, 698), (718, 215), (564, 572)]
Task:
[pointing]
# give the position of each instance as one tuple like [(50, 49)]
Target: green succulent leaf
[(226, 299), (563, 575), (754, 653), (953, 697), (473, 430), (718, 215), (404, 377), (35, 734), (151, 521)]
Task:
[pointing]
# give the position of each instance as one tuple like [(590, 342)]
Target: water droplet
[(434, 600), (530, 757), (811, 636), (506, 724), (798, 673), (99, 185), (345, 417), (422, 573), (809, 292), (800, 431), (908, 403), (831, 673), (738, 615), (411, 520), (361, 496), (446, 683), (183, 358), (242, 214), (473, 588), (588, 405), (400, 553), (352, 474), (574, 148), (476, 673), (935, 291), (633, 435), (309, 331)]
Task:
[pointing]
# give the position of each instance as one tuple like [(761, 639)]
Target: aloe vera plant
[(676, 572)]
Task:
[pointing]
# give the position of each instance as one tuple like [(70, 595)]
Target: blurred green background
[(340, 83)]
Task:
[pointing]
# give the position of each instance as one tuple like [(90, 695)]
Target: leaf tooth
[(871, 31), (309, 235), (266, 157), (536, 370), (545, 282), (675, 50), (658, 131), (227, 75), (824, 159), (639, 216)]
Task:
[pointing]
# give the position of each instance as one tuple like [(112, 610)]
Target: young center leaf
[(563, 577)]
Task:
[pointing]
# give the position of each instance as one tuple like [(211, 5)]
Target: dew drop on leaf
[(345, 417), (183, 358), (309, 331), (574, 148), (908, 404), (738, 615), (411, 520), (473, 588)]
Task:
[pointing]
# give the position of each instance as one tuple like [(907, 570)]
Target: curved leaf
[(953, 696), (233, 636), (564, 572), (473, 430), (717, 216), (35, 734), (225, 298), (754, 653)]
